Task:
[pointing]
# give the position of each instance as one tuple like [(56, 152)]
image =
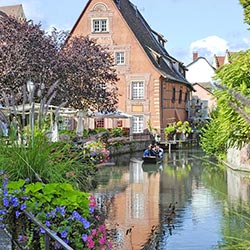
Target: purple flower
[(5, 202), (3, 212), (5, 182), (53, 214), (76, 215), (84, 237), (47, 223), (64, 234), (23, 206), (62, 210), (17, 214), (2, 226), (42, 231), (85, 223), (14, 201)]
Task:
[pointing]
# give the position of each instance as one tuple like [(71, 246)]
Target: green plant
[(170, 130), (61, 208)]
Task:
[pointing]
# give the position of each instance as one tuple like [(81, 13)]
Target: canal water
[(188, 202)]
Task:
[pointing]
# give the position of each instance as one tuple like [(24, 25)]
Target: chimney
[(195, 55)]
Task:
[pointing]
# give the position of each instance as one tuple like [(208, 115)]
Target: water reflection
[(179, 204)]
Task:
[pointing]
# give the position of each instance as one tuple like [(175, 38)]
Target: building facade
[(152, 85)]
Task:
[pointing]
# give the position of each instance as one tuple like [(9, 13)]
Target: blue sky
[(206, 26)]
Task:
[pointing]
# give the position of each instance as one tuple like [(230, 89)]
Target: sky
[(205, 26)]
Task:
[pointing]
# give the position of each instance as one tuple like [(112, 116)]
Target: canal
[(187, 202)]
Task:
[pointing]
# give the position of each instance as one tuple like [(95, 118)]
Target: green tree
[(230, 124), (246, 7)]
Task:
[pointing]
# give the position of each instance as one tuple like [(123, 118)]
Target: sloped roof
[(151, 41), (148, 40), (208, 86), (200, 58), (13, 10)]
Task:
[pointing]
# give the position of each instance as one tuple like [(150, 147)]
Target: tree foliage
[(230, 125), (246, 7), (84, 69)]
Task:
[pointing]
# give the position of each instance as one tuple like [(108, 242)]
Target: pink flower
[(102, 228), (94, 232), (90, 242), (102, 241), (92, 202)]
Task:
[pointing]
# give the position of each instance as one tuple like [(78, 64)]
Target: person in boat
[(158, 151), (148, 152)]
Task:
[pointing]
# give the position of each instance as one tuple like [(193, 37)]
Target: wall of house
[(137, 66), (199, 71), (203, 94), (174, 109), (239, 158)]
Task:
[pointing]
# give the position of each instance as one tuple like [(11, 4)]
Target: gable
[(200, 71), (121, 16), (13, 10)]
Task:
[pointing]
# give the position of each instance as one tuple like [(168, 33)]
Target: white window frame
[(120, 58), (100, 25), (137, 90), (137, 124)]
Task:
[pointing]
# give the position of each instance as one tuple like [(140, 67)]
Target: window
[(180, 96), (173, 95), (137, 124), (119, 123), (119, 58), (99, 123), (100, 25), (137, 90)]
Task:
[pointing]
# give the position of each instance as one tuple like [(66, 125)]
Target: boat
[(151, 159), (152, 167)]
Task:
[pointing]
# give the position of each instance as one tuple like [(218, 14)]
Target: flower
[(84, 237), (5, 201), (47, 223), (102, 240), (17, 214), (64, 234), (23, 206)]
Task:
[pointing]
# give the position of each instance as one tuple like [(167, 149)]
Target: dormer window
[(100, 25)]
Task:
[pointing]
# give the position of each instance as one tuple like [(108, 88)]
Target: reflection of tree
[(164, 229), (236, 227), (214, 178), (235, 221)]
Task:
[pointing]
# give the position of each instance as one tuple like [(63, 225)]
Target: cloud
[(209, 46), (214, 45)]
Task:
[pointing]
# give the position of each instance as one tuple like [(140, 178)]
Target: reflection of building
[(238, 185), (136, 207)]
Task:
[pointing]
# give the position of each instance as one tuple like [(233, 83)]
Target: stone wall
[(129, 147), (239, 159)]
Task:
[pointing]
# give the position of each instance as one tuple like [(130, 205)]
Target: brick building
[(152, 83)]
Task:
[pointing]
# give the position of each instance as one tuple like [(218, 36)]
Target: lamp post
[(31, 88)]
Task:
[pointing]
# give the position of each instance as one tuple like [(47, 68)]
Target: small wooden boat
[(151, 167), (151, 159)]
